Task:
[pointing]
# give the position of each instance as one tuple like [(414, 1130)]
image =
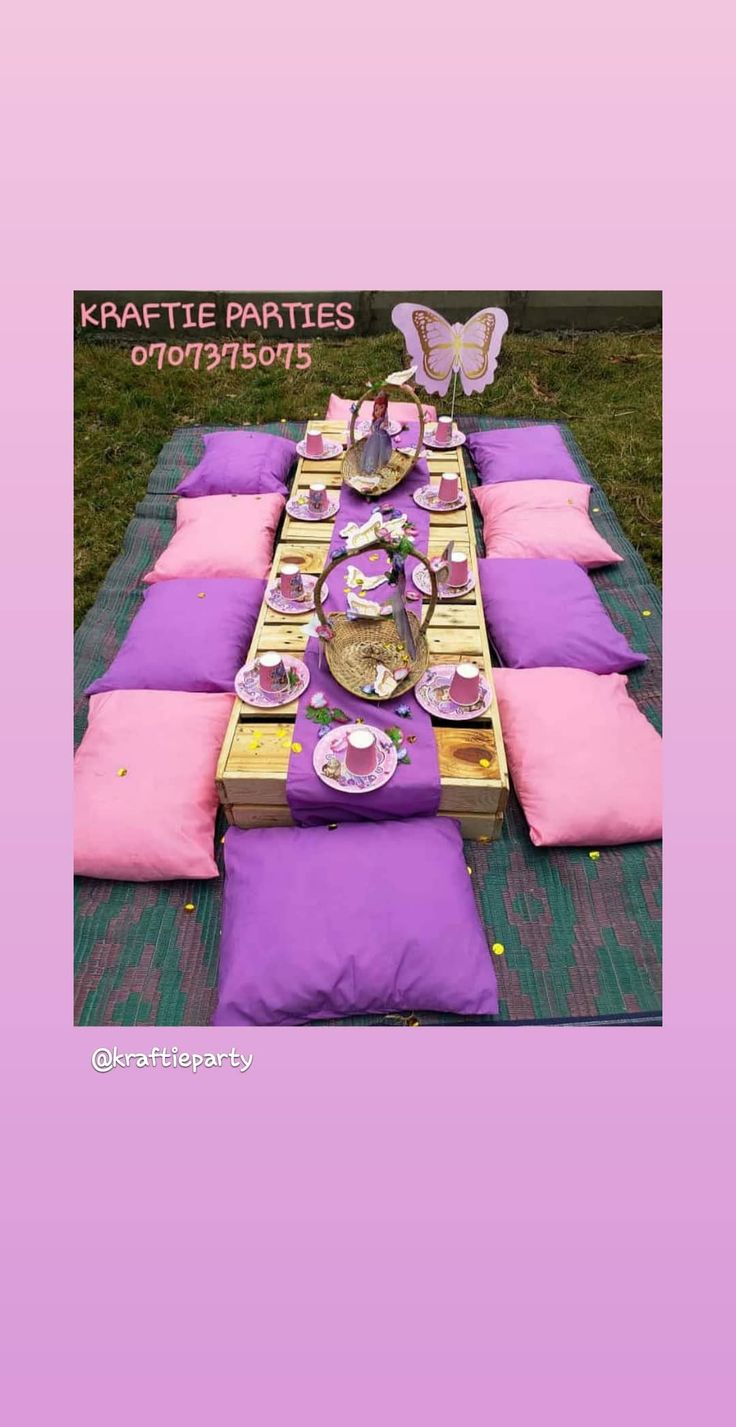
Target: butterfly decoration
[(441, 565), (440, 350)]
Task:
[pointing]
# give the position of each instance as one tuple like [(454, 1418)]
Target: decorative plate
[(330, 449), (298, 508), (428, 500), (458, 439), (329, 760), (433, 693), (275, 599), (248, 688), (363, 428), (420, 576)]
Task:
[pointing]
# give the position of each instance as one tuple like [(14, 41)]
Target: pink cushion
[(586, 764), (156, 820), (225, 535), (338, 409), (541, 520)]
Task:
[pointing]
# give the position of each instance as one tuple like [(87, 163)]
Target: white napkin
[(356, 580), (368, 609)]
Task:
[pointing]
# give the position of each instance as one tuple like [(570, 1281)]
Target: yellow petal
[(484, 762), (498, 948), (484, 837), (646, 613), (201, 595), (189, 906), (470, 870), (594, 856), (122, 772), (296, 748)]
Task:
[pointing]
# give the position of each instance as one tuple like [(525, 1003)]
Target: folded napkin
[(356, 536), (366, 609)]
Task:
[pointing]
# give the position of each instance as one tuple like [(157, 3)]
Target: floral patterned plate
[(275, 599), (428, 500), (297, 507), (433, 693), (458, 439), (329, 760), (248, 688), (330, 449), (420, 576)]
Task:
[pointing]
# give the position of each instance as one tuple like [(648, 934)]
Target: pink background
[(438, 1227)]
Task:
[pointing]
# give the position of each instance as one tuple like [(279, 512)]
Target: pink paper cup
[(315, 444), (458, 568), (443, 433), (449, 487), (361, 754), (465, 684), (272, 673), (290, 582), (317, 497)]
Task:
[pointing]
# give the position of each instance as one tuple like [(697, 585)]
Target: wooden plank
[(475, 827)]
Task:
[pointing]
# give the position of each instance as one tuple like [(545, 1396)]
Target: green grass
[(607, 385)]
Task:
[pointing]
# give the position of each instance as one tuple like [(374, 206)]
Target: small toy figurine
[(377, 450)]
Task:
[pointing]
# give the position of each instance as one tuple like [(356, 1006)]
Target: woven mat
[(582, 938)]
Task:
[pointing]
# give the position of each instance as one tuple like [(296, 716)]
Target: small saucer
[(420, 576), (329, 760), (330, 449), (433, 693), (458, 439), (282, 605), (427, 498), (248, 688), (298, 509)]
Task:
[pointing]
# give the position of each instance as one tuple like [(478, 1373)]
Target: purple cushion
[(547, 613), (522, 453), (356, 920), (189, 636), (240, 463)]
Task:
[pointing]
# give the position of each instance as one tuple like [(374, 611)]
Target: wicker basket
[(357, 645), (399, 463)]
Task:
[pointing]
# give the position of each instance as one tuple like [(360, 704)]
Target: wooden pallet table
[(252, 768)]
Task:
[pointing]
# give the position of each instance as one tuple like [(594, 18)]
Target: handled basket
[(399, 463), (358, 645)]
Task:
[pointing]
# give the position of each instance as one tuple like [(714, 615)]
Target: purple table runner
[(414, 789)]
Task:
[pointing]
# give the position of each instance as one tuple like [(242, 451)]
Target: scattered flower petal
[(201, 595), (122, 772), (296, 748), (189, 906), (498, 948), (646, 613), (318, 701), (484, 762), (594, 856), (469, 869)]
